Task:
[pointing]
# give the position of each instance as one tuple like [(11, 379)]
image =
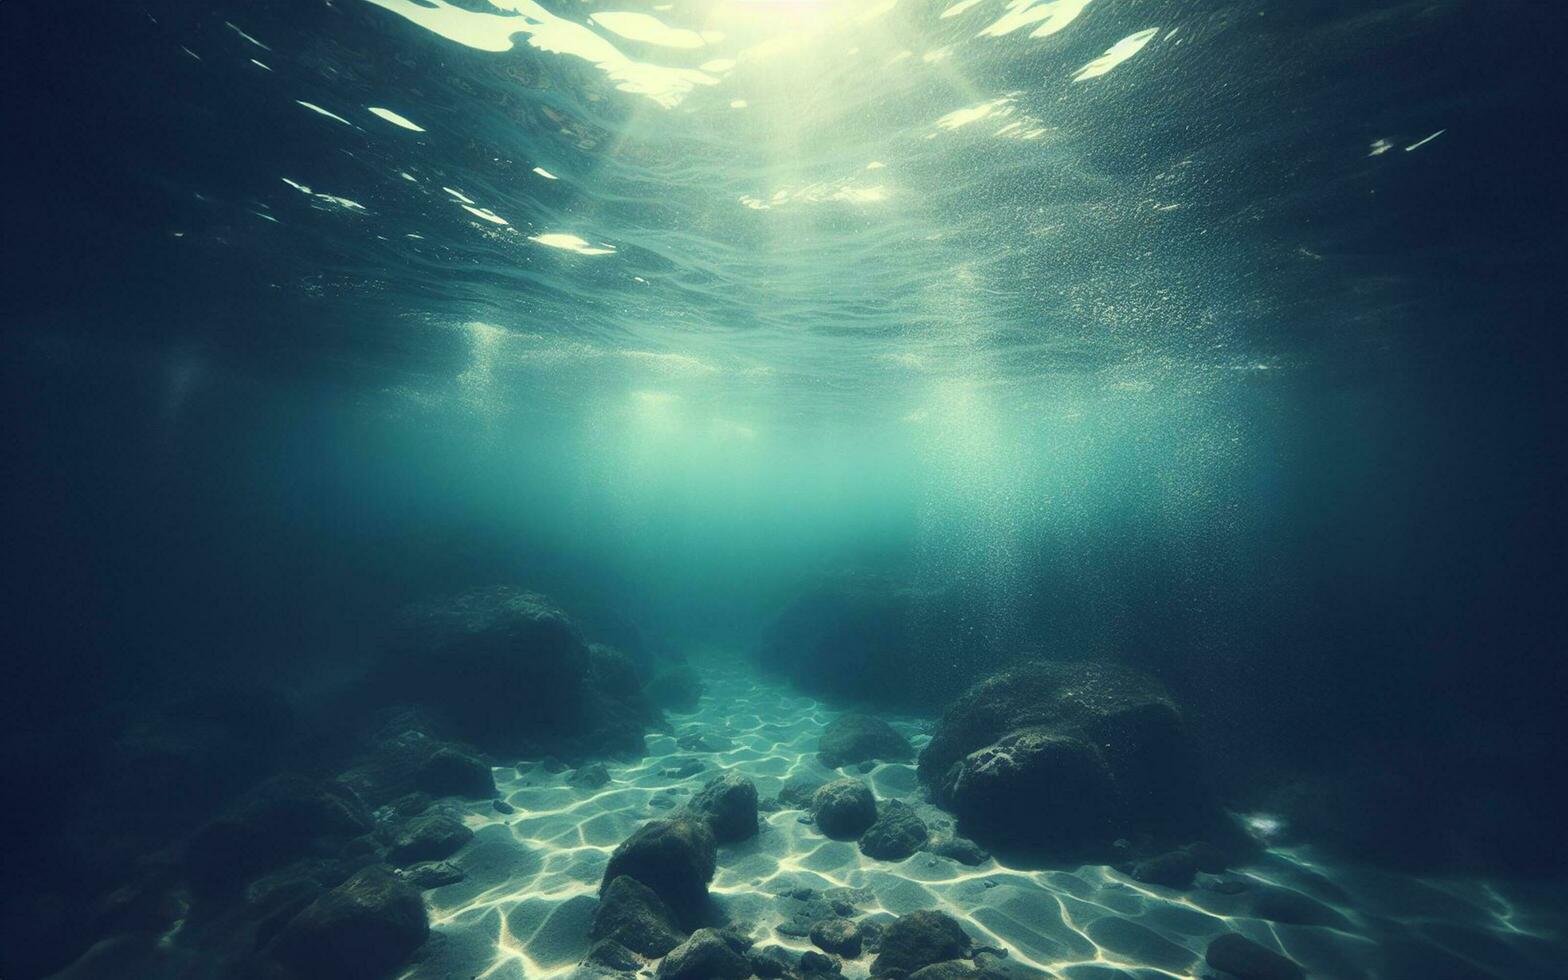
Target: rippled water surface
[(1217, 338)]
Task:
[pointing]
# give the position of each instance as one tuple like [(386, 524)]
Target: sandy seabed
[(524, 909)]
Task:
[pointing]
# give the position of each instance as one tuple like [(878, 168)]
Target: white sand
[(533, 876)]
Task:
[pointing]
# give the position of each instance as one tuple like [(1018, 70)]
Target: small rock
[(703, 742), (813, 963), (1243, 958), (919, 939), (405, 806), (362, 929), (870, 936), (729, 805), (429, 837), (552, 765), (632, 915), (854, 738), (960, 849), (682, 769), (839, 936), (452, 773), (769, 962), (431, 874), (611, 955), (591, 776), (797, 792), (705, 956), (843, 809), (898, 833)]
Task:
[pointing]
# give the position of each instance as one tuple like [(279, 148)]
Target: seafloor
[(532, 877)]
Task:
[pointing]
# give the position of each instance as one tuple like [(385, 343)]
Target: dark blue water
[(1219, 340)]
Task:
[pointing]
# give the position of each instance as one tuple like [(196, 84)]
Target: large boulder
[(675, 858), (843, 809), (1062, 758), (841, 937), (917, 940), (363, 928), (898, 833), (631, 914), (508, 671), (853, 738), (728, 803)]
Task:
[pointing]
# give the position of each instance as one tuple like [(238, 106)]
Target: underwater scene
[(710, 489)]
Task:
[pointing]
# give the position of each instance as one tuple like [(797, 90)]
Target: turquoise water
[(877, 344)]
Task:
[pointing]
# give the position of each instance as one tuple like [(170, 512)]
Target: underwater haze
[(930, 488)]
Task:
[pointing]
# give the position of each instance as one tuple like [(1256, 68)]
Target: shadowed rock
[(282, 818), (769, 963), (675, 858), (632, 915), (898, 833), (843, 809), (591, 776), (960, 849), (839, 936), (1065, 757), (854, 738), (707, 955), (429, 837), (609, 957), (364, 928), (431, 874), (729, 806), (798, 791), (917, 940)]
